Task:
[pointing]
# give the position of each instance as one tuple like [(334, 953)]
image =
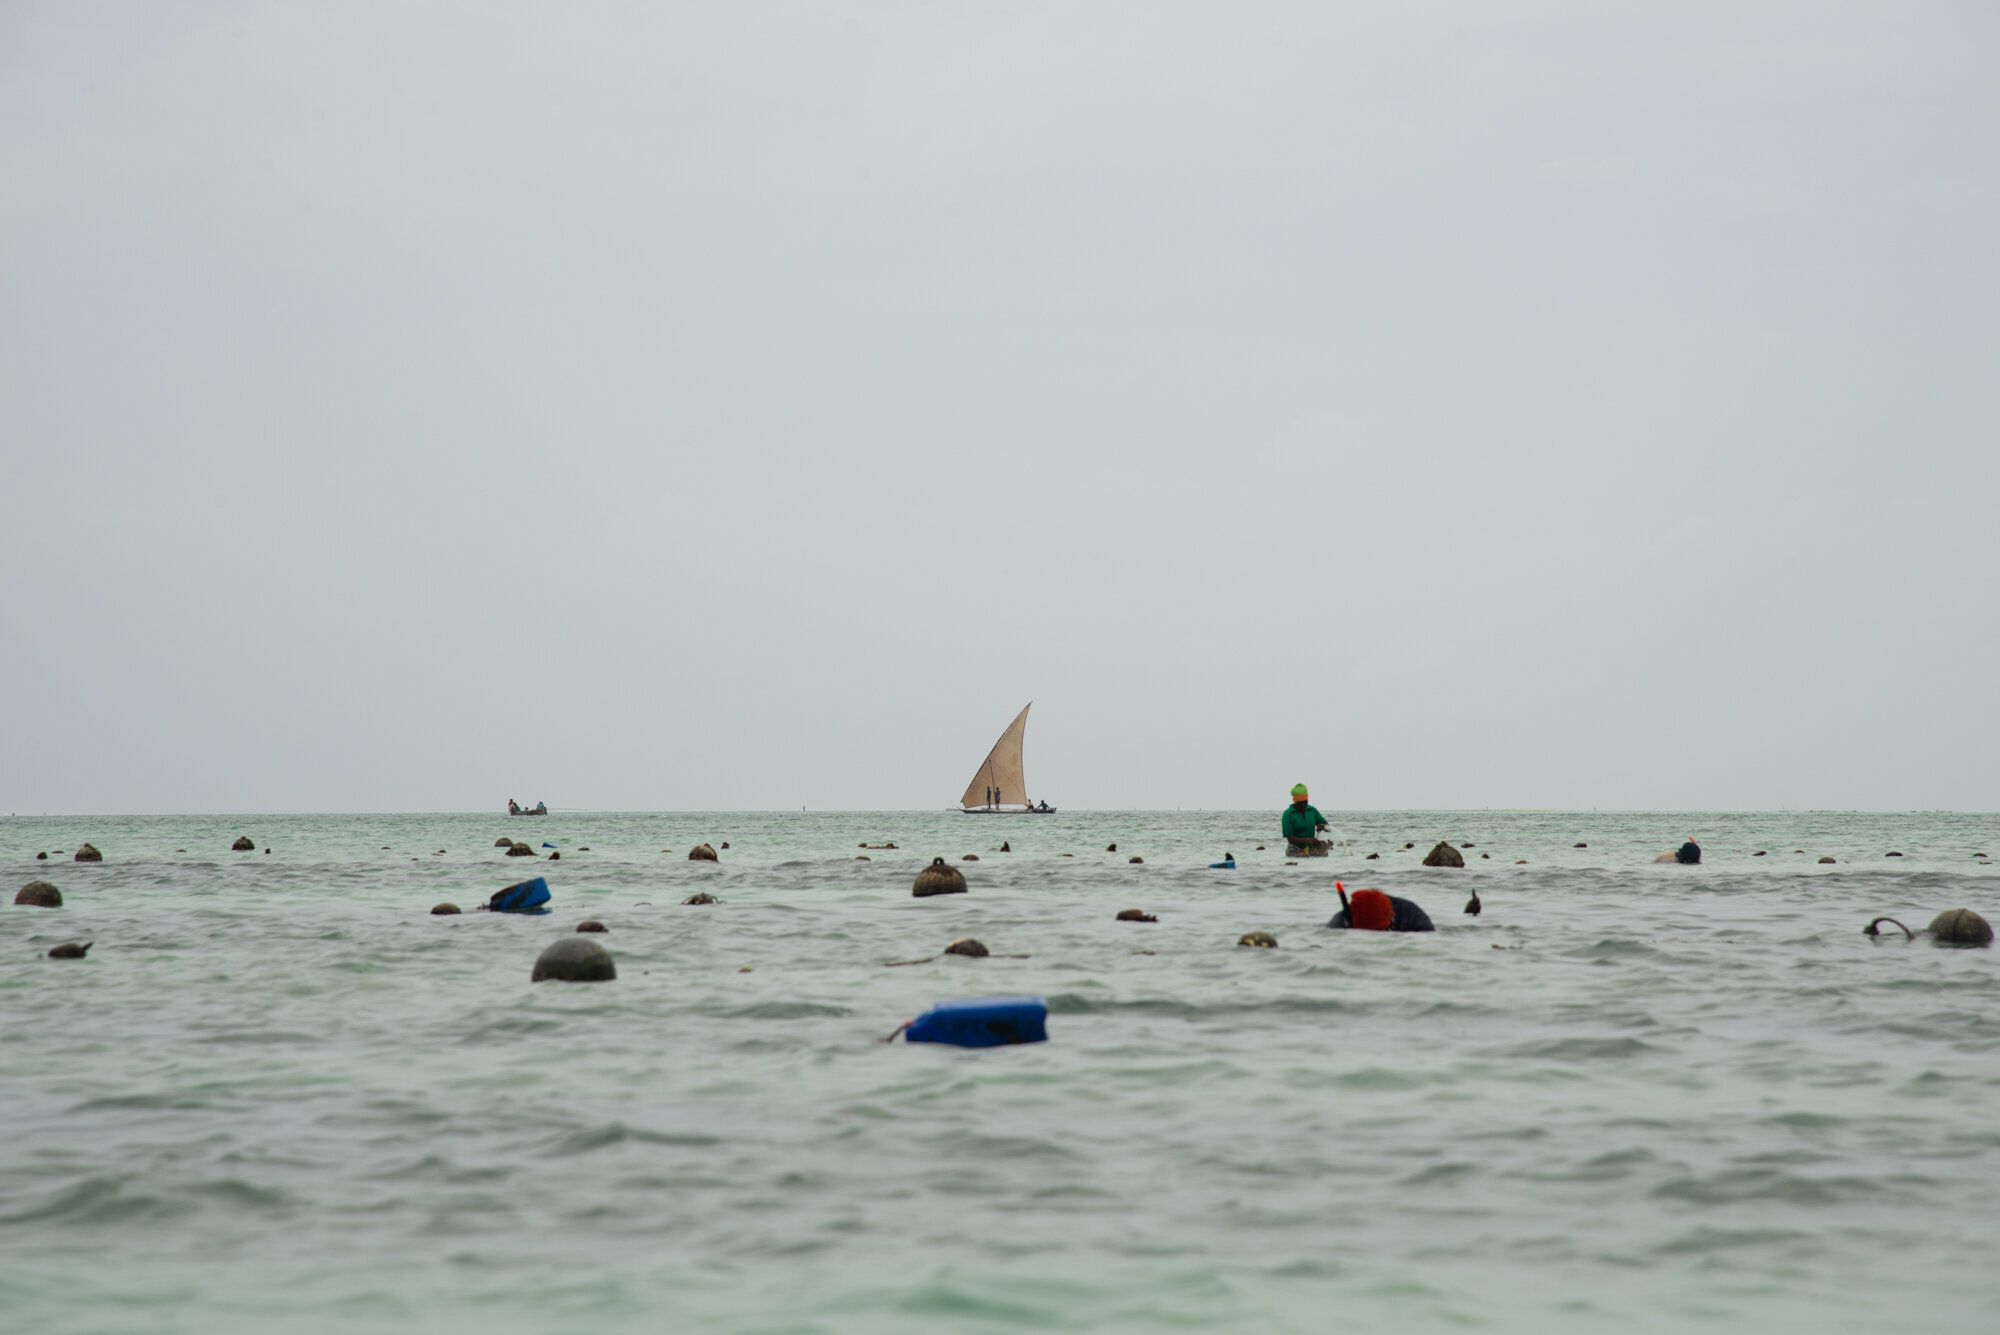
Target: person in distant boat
[(1302, 822), (1689, 853), (513, 807), (1373, 911)]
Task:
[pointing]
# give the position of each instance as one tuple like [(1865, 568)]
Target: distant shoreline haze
[(996, 822)]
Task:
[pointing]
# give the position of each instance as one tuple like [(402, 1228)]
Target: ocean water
[(279, 1095)]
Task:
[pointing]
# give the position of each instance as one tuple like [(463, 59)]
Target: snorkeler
[(1373, 911)]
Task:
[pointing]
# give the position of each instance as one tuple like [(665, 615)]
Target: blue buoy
[(527, 897), (983, 1022), (1230, 865), (547, 844)]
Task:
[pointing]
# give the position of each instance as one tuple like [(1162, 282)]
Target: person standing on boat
[(1302, 822)]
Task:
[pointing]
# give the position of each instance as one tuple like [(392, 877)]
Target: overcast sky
[(408, 405)]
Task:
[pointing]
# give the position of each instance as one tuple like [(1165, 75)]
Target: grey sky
[(408, 405)]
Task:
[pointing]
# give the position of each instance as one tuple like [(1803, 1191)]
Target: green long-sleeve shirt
[(1302, 822)]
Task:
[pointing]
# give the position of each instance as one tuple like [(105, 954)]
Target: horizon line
[(926, 811)]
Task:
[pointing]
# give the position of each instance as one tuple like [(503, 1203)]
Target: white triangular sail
[(1000, 782)]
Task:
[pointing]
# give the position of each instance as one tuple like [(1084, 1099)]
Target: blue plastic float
[(983, 1022), (527, 897), (1227, 865)]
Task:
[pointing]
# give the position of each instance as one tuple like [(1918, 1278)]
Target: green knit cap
[(1298, 790)]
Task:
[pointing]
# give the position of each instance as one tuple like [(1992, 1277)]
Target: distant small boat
[(999, 787), (516, 809)]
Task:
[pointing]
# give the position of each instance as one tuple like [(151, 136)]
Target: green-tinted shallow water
[(279, 1096)]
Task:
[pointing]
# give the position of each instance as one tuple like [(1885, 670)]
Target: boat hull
[(1002, 811)]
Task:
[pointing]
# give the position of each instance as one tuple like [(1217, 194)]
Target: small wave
[(979, 1148), (1309, 1267), (1072, 1003), (1583, 1049), (97, 1201), (1300, 1005), (1806, 1121), (1453, 1010), (436, 1168), (406, 1111), (258, 1037), (1440, 1175), (1983, 1139), (1608, 1167), (1132, 1072), (775, 1010), (1072, 1191), (1704, 1240), (161, 1101), (1613, 948), (961, 1304), (586, 1139), (1769, 1184), (235, 1194), (1386, 1078)]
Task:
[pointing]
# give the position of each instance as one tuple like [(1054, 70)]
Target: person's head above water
[(1371, 911), (1298, 792)]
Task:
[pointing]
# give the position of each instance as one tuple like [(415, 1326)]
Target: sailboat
[(999, 788)]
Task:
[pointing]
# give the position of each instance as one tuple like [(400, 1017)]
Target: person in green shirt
[(1302, 824)]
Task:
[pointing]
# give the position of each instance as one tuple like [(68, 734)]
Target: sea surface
[(280, 1095)]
